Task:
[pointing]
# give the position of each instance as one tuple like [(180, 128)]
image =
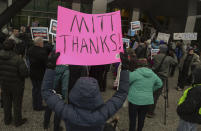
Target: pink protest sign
[(88, 39)]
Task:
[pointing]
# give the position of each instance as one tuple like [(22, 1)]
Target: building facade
[(45, 10)]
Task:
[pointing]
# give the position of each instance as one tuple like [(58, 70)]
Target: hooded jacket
[(189, 107), (12, 70), (87, 111), (143, 82)]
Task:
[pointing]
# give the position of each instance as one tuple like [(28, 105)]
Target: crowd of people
[(73, 92)]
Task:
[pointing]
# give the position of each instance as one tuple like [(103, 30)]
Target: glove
[(51, 64), (125, 61)]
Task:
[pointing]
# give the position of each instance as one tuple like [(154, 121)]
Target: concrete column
[(99, 6), (76, 6), (136, 14), (177, 24), (191, 19), (28, 21), (3, 6), (10, 2)]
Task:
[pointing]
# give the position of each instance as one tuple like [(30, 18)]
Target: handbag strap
[(159, 67)]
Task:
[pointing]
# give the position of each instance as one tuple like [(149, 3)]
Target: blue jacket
[(88, 112)]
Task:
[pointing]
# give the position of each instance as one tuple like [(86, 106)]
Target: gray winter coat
[(164, 70)]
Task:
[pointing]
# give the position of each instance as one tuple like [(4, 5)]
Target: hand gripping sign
[(88, 39)]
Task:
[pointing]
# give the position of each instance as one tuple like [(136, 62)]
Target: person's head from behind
[(38, 41), (9, 45), (163, 49), (16, 32), (85, 94), (195, 46), (142, 62), (132, 60)]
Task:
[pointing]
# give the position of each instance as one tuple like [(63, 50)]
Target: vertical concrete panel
[(10, 2), (99, 6), (136, 14), (3, 6), (76, 6)]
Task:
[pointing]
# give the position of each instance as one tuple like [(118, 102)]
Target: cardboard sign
[(131, 33), (53, 27), (135, 26), (40, 32), (163, 36), (126, 41), (154, 52), (88, 39), (185, 36)]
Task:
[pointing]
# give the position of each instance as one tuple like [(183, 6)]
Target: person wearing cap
[(161, 66), (12, 78), (143, 82), (186, 66), (189, 105)]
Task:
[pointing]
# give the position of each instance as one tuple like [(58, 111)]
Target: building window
[(41, 11), (86, 6)]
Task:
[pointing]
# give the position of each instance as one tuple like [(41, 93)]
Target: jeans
[(36, 94), (47, 116), (186, 126), (134, 112)]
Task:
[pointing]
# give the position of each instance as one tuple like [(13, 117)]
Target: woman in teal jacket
[(143, 82)]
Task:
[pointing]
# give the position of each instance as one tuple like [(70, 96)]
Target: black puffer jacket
[(12, 70), (189, 109), (38, 60)]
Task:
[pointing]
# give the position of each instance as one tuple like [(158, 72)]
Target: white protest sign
[(135, 26), (40, 32), (185, 36), (53, 27), (126, 41), (163, 36)]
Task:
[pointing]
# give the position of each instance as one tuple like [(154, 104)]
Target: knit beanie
[(9, 44)]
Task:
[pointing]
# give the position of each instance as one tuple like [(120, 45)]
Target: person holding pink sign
[(87, 110)]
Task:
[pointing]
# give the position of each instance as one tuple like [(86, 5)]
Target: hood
[(85, 94), (5, 55), (145, 72)]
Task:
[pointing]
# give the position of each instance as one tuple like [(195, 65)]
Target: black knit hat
[(9, 44), (197, 75)]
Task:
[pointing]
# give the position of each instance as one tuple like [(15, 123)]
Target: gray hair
[(38, 40)]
